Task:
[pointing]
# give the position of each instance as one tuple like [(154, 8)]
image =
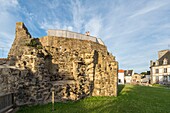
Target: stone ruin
[(75, 68)]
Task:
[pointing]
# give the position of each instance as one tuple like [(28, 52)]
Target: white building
[(160, 69), (121, 77), (128, 76), (146, 79), (128, 79), (125, 76)]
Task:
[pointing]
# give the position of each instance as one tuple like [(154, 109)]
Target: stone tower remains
[(75, 65)]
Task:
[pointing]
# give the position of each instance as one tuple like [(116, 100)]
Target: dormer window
[(157, 63), (165, 61)]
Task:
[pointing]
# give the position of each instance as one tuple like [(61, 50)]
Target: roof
[(167, 56), (121, 71), (128, 72)]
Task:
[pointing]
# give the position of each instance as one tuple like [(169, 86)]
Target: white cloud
[(133, 40), (50, 25), (132, 31), (70, 28), (8, 19), (94, 25), (54, 25), (5, 4), (78, 13), (151, 7)]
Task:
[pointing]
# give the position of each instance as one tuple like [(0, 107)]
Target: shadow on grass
[(120, 88), (130, 100)]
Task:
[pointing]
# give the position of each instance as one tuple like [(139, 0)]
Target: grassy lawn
[(131, 99)]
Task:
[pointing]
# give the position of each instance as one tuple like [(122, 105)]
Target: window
[(165, 70), (157, 63), (119, 80), (157, 70), (157, 79), (165, 61), (165, 79)]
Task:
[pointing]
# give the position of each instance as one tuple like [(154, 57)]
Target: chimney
[(87, 33), (151, 63)]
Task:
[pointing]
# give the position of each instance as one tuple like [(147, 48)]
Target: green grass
[(158, 85), (131, 99)]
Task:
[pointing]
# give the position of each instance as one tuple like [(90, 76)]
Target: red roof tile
[(121, 71)]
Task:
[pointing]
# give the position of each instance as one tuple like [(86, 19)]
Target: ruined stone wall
[(27, 88), (22, 37), (74, 68), (89, 59), (4, 61)]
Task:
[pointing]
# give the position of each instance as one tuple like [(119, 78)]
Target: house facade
[(160, 69), (121, 77), (128, 76), (136, 79), (146, 78)]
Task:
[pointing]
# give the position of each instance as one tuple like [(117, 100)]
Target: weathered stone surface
[(74, 68)]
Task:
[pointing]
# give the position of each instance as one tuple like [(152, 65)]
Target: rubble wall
[(74, 68)]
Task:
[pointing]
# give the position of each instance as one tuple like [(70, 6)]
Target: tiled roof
[(121, 71), (167, 56), (128, 72)]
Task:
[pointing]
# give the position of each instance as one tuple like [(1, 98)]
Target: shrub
[(34, 43), (39, 47)]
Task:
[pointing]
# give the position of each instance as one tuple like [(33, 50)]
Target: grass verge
[(131, 99)]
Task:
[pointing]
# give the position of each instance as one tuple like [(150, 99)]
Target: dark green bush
[(39, 47), (34, 43)]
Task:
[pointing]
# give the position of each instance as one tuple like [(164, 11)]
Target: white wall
[(121, 77), (160, 78), (161, 72), (148, 77), (168, 78), (128, 79)]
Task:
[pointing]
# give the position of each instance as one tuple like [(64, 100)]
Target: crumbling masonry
[(75, 68)]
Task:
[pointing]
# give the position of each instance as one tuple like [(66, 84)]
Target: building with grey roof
[(160, 69)]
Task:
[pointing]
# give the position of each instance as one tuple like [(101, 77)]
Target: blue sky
[(132, 30)]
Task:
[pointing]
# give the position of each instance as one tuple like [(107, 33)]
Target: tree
[(143, 73)]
